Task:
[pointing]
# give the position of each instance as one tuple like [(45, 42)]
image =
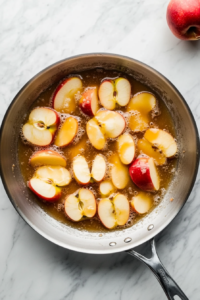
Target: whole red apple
[(183, 18)]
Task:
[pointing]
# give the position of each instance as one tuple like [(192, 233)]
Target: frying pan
[(115, 241)]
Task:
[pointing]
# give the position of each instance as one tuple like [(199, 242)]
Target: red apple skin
[(140, 174), (50, 200), (183, 14), (58, 88), (85, 103), (54, 126)]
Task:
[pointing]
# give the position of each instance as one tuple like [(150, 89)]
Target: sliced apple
[(64, 96), (126, 148), (81, 205), (114, 212), (41, 126), (119, 173), (141, 104), (89, 102), (142, 203), (146, 148), (144, 174), (106, 188), (67, 132), (47, 182), (47, 157), (98, 168), (81, 170), (162, 140), (95, 134), (114, 91), (111, 122)]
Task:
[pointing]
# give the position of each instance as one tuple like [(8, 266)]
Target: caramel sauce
[(163, 121)]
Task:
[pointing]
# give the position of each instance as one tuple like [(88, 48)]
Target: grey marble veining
[(35, 34)]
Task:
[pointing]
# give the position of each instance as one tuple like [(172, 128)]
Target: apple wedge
[(106, 188), (95, 134), (146, 148), (81, 170), (67, 132), (162, 140), (126, 148), (112, 123), (98, 168), (89, 102), (119, 173), (47, 182), (112, 92), (47, 157), (142, 203), (114, 212), (80, 206), (144, 174), (64, 96), (41, 126), (141, 104)]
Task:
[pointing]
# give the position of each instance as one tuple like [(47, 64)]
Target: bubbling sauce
[(81, 145)]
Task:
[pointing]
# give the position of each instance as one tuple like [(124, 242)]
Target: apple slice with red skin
[(81, 205), (64, 96), (47, 182), (106, 188), (47, 157), (67, 132), (142, 203), (41, 126), (114, 212), (98, 169), (144, 174), (119, 173), (162, 140), (148, 149), (89, 102), (141, 104), (112, 92), (126, 148)]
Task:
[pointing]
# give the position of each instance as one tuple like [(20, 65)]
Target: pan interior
[(149, 226)]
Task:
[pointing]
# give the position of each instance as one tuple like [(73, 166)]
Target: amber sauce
[(55, 210)]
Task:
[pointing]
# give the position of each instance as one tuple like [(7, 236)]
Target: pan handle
[(169, 286)]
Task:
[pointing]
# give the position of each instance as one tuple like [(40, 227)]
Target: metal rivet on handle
[(150, 227), (128, 240), (112, 244)]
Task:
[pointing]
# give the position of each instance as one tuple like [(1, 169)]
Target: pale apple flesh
[(119, 173), (144, 174), (162, 140), (141, 105), (47, 182), (98, 168), (126, 148), (80, 205), (81, 170), (115, 212), (144, 147), (89, 102), (64, 96), (95, 134), (41, 126), (112, 92), (47, 157), (142, 203), (67, 132), (106, 188)]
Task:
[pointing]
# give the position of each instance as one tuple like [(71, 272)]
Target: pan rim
[(154, 232)]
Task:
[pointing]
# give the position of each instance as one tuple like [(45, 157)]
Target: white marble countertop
[(35, 34)]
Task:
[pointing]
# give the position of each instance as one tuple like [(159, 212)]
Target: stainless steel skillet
[(142, 232)]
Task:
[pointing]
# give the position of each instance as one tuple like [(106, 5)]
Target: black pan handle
[(169, 286)]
